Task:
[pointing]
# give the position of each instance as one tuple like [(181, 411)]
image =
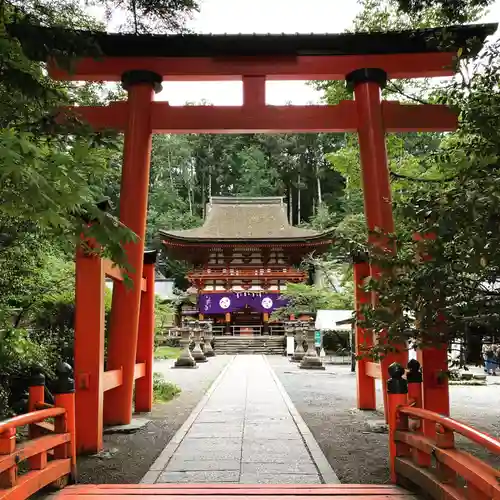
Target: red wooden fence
[(48, 456), (423, 451)]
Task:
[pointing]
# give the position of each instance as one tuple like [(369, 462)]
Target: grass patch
[(166, 352), (163, 391)]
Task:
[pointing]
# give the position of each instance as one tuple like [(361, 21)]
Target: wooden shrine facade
[(244, 255)]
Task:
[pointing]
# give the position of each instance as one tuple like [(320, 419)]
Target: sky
[(267, 16)]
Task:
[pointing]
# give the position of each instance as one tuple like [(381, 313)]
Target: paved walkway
[(246, 430)]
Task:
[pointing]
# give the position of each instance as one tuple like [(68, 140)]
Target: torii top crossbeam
[(403, 54)]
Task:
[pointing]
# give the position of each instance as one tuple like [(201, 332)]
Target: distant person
[(490, 359)]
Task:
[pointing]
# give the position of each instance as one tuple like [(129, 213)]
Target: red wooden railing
[(423, 452), (48, 456)]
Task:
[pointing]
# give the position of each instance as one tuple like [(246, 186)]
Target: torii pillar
[(124, 326), (367, 84)]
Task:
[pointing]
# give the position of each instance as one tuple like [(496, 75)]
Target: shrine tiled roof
[(245, 219)]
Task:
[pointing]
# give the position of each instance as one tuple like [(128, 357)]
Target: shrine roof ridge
[(468, 38), (248, 219)]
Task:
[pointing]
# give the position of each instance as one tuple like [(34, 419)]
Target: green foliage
[(157, 16), (444, 184), (451, 10), (167, 352), (164, 315), (163, 391), (304, 298)]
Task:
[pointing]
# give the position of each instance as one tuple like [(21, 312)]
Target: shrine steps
[(244, 344), (234, 492)]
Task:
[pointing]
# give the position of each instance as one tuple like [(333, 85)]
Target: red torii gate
[(364, 60)]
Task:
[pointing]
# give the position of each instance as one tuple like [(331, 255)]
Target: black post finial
[(397, 384), (64, 382), (37, 377), (414, 375)]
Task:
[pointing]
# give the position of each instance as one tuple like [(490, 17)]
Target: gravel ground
[(127, 457), (327, 402)]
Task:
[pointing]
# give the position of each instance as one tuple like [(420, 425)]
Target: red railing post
[(64, 397), (8, 478), (414, 378), (36, 395), (146, 338), (397, 395)]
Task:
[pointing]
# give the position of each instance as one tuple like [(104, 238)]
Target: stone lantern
[(197, 350), (185, 359), (290, 334), (311, 360), (207, 339), (299, 338)]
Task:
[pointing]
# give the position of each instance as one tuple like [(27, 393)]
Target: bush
[(172, 342), (163, 391), (334, 340), (20, 353)]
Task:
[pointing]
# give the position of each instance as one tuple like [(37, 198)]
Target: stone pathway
[(246, 430)]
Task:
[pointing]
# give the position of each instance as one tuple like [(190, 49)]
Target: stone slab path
[(246, 430)]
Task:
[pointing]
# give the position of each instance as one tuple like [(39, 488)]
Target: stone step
[(249, 345)]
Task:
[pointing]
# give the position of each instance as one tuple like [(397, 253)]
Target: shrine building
[(243, 256)]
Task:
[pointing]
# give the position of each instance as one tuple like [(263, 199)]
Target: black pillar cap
[(150, 256), (37, 377), (359, 257), (64, 384), (397, 384), (139, 76), (365, 75), (414, 375), (104, 206)]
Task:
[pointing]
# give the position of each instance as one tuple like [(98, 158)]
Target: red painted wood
[(145, 344), (111, 379), (252, 119), (366, 396), (30, 418), (236, 492), (376, 192), (481, 438), (33, 481), (124, 323), (89, 352), (31, 448), (275, 68)]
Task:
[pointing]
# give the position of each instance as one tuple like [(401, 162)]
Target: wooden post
[(64, 397), (397, 395), (414, 378), (435, 390), (228, 323), (366, 396), (367, 84), (265, 323), (36, 395), (433, 359), (146, 342), (124, 323), (89, 351)]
